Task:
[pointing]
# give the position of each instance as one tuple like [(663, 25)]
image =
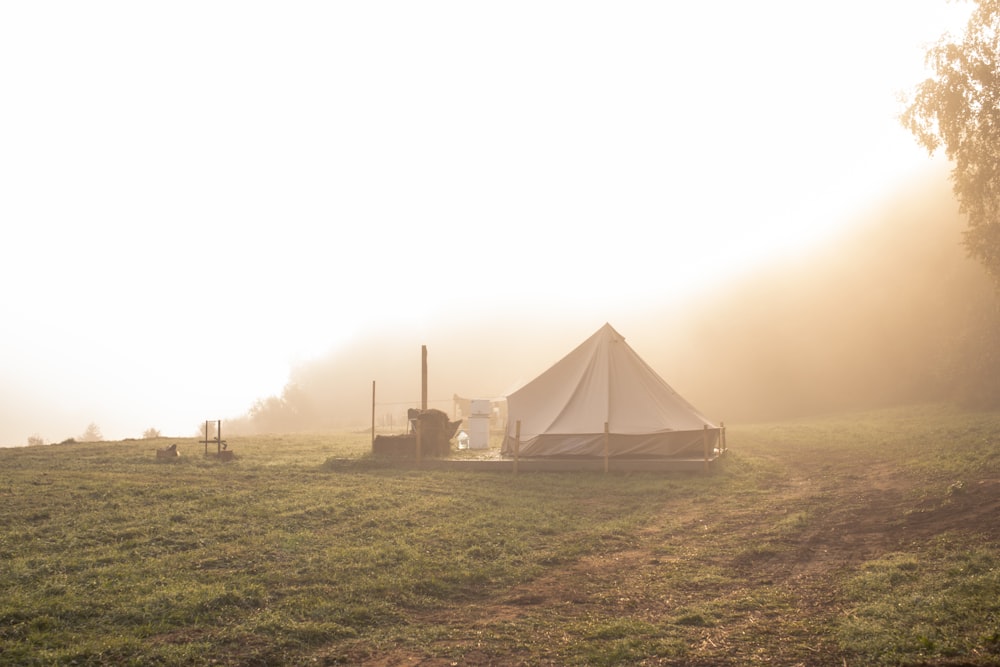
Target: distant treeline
[(891, 312)]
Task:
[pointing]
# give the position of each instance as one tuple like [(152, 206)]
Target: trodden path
[(817, 519)]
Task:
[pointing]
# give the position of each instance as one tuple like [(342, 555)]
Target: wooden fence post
[(423, 377), (517, 443), (704, 440), (606, 437)]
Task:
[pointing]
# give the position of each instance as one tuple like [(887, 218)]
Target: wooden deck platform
[(506, 465)]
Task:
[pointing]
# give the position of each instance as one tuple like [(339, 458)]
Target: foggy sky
[(202, 201)]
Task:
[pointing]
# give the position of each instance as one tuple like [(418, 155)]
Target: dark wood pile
[(436, 432)]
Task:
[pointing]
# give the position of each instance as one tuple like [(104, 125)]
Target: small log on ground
[(168, 452)]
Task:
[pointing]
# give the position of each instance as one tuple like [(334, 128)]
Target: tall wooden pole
[(373, 414), (423, 377)]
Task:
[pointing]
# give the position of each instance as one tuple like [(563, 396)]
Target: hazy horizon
[(877, 316), (841, 326), (207, 202)]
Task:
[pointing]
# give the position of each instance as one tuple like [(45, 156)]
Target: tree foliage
[(976, 359), (92, 433), (292, 411), (958, 109)]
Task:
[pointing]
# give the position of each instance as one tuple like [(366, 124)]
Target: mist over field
[(877, 316), (886, 311), (257, 225), (882, 316)]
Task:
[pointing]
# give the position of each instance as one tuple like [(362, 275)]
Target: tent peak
[(611, 332)]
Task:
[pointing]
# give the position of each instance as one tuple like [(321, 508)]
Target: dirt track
[(853, 517)]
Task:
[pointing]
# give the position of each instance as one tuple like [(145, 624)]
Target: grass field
[(867, 538)]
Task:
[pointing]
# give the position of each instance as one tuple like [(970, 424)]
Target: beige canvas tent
[(563, 411)]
